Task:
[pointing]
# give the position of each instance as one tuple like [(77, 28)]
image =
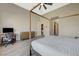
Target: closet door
[(42, 29), (56, 28)]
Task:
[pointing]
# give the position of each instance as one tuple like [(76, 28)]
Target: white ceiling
[(29, 6)]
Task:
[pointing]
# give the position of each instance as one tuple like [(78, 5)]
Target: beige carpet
[(20, 48)]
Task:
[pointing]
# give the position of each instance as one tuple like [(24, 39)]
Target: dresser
[(25, 35)]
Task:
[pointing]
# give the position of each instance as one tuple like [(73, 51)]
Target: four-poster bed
[(54, 45)]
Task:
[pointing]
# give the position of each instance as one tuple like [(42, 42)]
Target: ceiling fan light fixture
[(44, 5)]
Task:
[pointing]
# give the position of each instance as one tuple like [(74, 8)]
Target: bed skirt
[(34, 53)]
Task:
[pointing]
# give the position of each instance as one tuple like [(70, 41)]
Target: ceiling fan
[(44, 5)]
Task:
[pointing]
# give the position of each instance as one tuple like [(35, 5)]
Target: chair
[(9, 38)]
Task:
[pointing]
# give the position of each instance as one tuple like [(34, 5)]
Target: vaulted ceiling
[(29, 6)]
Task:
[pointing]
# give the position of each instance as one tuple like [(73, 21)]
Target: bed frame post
[(30, 34), (30, 24), (30, 27)]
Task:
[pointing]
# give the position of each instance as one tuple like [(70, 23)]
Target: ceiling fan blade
[(44, 6), (40, 7), (48, 3)]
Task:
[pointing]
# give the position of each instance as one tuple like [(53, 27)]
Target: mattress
[(56, 46)]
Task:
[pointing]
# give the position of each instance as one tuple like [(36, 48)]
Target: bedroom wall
[(46, 29), (67, 26), (34, 24), (17, 18)]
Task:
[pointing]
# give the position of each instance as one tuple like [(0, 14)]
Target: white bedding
[(56, 46)]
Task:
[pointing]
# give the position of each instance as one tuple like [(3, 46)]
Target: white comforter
[(56, 46)]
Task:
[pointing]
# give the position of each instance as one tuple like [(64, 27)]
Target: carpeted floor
[(20, 48)]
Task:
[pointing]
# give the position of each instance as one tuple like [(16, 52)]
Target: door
[(56, 28), (42, 29)]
